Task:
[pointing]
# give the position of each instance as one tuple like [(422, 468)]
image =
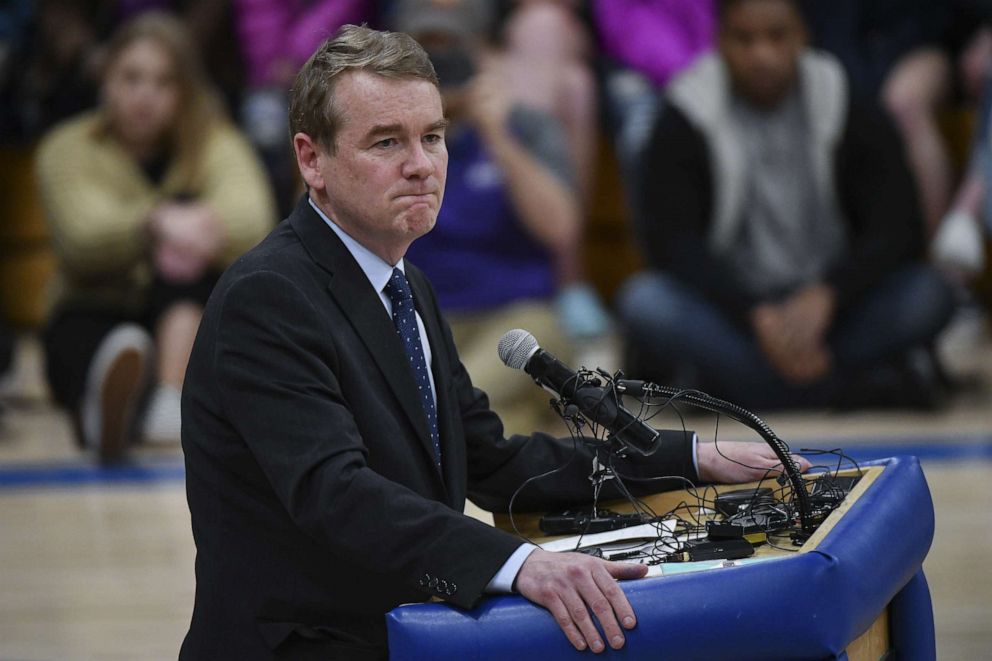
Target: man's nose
[(418, 164)]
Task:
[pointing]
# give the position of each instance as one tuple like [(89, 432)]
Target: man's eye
[(388, 142), (433, 138)]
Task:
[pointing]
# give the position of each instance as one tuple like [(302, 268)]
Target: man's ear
[(308, 160)]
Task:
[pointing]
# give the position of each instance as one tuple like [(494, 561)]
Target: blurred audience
[(914, 56), (50, 64), (211, 26), (893, 51), (147, 197), (153, 192), (958, 245), (645, 43), (276, 38), (781, 230), (6, 349), (511, 210), (53, 52), (545, 52)]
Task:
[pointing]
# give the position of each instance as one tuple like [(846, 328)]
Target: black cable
[(513, 498), (779, 447)]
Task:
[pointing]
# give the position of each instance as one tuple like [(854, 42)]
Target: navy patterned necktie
[(405, 320)]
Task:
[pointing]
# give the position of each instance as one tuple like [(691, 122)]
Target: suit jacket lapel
[(360, 303)]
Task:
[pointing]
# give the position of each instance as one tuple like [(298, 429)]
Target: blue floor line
[(83, 473)]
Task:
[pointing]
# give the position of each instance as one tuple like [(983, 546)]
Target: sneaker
[(163, 415), (114, 386), (958, 243), (580, 312)]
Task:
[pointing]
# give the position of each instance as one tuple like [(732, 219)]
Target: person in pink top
[(657, 38)]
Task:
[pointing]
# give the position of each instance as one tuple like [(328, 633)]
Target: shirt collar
[(374, 267)]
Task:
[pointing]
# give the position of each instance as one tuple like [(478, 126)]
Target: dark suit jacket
[(315, 504)]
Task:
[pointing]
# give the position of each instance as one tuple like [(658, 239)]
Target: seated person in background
[(546, 48), (960, 242), (892, 51), (782, 229), (958, 247), (512, 213), (148, 197)]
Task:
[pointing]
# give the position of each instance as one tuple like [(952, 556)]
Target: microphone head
[(516, 347)]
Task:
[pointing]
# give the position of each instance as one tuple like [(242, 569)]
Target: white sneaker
[(114, 385), (958, 243), (163, 416)]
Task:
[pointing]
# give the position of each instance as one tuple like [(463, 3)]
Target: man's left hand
[(736, 462)]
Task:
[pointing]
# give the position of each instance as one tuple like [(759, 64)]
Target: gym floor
[(98, 564)]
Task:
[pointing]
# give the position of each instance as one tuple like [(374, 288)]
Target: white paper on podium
[(675, 568), (623, 538)]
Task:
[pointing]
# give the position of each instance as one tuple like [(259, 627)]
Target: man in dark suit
[(326, 471)]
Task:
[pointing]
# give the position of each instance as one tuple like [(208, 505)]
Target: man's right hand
[(569, 585)]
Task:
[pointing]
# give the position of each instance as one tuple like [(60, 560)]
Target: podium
[(855, 589)]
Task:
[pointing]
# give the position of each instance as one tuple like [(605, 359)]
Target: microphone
[(519, 349)]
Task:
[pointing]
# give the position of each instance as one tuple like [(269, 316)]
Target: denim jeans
[(672, 326)]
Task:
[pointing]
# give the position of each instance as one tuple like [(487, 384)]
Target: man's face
[(761, 41), (384, 182)]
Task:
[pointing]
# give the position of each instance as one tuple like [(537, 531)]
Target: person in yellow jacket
[(148, 198)]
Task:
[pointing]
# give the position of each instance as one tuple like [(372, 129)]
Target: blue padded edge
[(803, 606), (911, 622)]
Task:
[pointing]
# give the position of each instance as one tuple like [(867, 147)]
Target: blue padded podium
[(808, 605)]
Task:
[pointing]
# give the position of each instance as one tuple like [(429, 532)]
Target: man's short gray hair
[(311, 100)]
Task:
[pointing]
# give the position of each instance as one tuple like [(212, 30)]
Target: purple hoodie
[(659, 38), (291, 30)]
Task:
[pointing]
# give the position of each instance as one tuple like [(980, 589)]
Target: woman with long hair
[(148, 197)]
